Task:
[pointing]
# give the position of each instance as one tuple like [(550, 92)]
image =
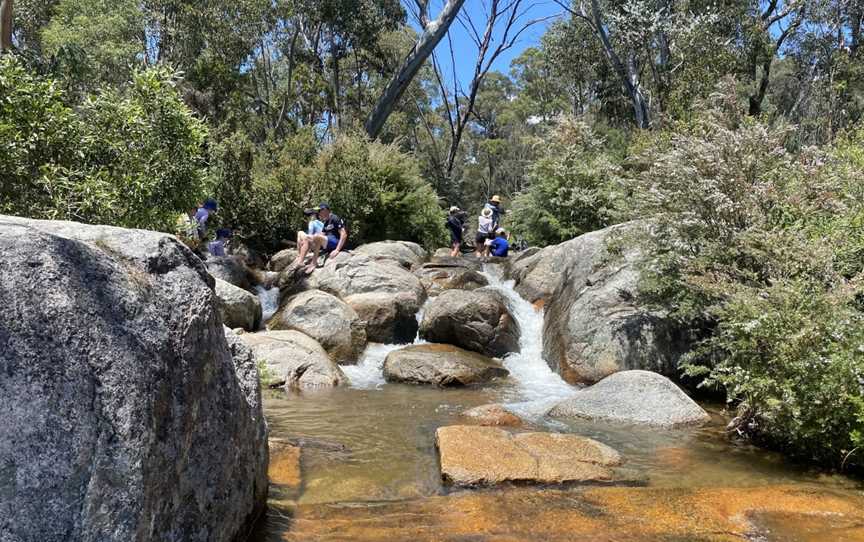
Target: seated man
[(334, 230), (499, 246), (312, 238)]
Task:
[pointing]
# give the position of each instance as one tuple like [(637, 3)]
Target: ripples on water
[(383, 434)]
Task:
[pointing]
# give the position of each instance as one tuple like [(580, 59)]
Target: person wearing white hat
[(500, 246), (494, 204), (484, 229), (455, 227)]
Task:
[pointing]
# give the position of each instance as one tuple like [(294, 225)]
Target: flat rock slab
[(476, 455), (634, 397), (440, 365)]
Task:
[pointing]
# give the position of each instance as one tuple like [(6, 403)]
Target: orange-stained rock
[(597, 514), (474, 455), (492, 415), (284, 466)]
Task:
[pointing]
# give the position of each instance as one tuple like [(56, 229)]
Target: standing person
[(455, 227), (494, 204), (484, 228), (217, 247), (203, 214), (313, 238), (334, 230), (500, 246)]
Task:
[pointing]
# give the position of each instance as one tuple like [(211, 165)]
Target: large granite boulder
[(476, 455), (360, 274), (325, 318), (477, 320), (404, 253), (388, 318), (437, 277), (633, 397), (440, 365), (231, 269), (294, 360), (238, 307), (127, 414), (593, 325), (282, 259)]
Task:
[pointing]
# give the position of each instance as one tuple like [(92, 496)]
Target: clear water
[(383, 433)]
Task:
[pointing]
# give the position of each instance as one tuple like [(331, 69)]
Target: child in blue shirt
[(500, 246), (217, 247)]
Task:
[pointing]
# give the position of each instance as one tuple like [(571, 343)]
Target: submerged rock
[(476, 455), (637, 397), (388, 318), (492, 415), (404, 253), (127, 413), (296, 359), (441, 365), (238, 307), (477, 320), (325, 318)]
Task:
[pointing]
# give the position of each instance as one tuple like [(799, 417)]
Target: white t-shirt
[(484, 225)]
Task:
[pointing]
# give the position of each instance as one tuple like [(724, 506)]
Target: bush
[(129, 158), (765, 245), (570, 188), (379, 191)]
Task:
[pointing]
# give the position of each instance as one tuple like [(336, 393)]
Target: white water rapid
[(535, 387), (269, 298)]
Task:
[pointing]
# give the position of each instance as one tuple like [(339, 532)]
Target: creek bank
[(124, 399)]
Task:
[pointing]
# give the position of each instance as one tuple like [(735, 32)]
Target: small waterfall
[(537, 386), (269, 298)]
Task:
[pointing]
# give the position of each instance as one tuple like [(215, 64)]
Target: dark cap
[(323, 206)]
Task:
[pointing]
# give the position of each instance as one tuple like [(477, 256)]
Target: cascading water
[(269, 298), (537, 386)]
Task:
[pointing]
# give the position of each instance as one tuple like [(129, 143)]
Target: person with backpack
[(454, 225)]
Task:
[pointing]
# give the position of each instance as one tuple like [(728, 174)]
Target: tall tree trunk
[(432, 34), (5, 25)]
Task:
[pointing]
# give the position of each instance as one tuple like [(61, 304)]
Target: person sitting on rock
[(313, 238), (484, 231), (217, 247), (500, 246), (203, 214), (455, 227), (334, 230)]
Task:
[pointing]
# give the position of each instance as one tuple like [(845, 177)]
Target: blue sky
[(466, 50)]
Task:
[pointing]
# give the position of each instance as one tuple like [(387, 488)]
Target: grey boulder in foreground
[(126, 415), (633, 397)]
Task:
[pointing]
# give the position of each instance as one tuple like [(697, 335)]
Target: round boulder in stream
[(440, 365), (327, 319), (477, 320), (238, 307), (294, 360), (634, 397)]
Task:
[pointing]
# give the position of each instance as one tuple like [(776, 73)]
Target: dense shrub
[(570, 187), (129, 157), (379, 191), (375, 187), (765, 245)]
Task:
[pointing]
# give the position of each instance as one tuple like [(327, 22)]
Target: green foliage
[(571, 187), (130, 158), (379, 190), (762, 244)]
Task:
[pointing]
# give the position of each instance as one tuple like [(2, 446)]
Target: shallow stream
[(374, 441)]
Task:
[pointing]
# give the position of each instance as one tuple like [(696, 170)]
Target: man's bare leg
[(316, 242)]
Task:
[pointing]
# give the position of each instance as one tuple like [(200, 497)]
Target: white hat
[(454, 209), (500, 230), (486, 211)]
